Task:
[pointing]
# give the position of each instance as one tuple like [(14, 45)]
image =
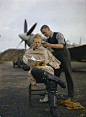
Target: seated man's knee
[(33, 71), (36, 72)]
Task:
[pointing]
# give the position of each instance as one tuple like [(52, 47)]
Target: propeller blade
[(25, 45), (25, 26), (19, 43), (31, 29)]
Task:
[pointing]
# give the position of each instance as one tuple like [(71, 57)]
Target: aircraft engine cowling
[(24, 37)]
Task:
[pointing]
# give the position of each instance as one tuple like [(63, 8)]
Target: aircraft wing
[(78, 53)]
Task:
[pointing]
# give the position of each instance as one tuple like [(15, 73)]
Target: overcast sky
[(65, 16)]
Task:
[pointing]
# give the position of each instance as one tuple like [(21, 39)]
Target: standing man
[(57, 42)]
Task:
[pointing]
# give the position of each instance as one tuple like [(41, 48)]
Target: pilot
[(57, 42), (44, 73)]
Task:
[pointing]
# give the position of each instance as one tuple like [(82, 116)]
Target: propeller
[(31, 29), (26, 36), (25, 26), (19, 43), (25, 31)]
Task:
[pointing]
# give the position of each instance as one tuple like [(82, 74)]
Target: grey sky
[(65, 16)]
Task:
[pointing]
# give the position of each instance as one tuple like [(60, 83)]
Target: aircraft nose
[(19, 35), (24, 37)]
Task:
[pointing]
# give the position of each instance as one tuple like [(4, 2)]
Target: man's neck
[(51, 34)]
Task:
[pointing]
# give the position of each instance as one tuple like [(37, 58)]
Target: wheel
[(14, 63)]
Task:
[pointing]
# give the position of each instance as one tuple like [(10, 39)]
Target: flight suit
[(51, 82)]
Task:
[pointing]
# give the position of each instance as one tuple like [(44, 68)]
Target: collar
[(51, 34)]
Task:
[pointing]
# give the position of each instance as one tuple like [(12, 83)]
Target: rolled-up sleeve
[(60, 38)]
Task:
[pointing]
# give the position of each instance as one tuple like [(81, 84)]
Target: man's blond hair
[(38, 36)]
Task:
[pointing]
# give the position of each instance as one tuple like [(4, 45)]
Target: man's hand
[(31, 45), (46, 44)]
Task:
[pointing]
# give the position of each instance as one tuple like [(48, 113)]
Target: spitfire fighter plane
[(78, 53)]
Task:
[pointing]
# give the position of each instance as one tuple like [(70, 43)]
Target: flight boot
[(53, 104), (50, 76), (43, 75)]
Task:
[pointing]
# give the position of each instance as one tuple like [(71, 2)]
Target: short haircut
[(38, 36), (44, 26)]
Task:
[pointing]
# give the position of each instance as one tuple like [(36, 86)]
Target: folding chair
[(36, 91)]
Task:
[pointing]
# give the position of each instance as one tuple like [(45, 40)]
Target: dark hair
[(44, 26)]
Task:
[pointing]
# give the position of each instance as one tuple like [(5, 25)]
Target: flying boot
[(53, 104), (50, 76), (44, 75)]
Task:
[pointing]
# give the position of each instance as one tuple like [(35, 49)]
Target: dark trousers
[(64, 57), (39, 75), (51, 87)]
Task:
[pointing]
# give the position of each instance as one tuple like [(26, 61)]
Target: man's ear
[(49, 29)]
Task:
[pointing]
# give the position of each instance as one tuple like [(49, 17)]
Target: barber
[(57, 42)]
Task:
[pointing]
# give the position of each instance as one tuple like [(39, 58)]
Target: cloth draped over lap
[(70, 105), (41, 54)]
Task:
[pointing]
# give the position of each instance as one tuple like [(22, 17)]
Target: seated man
[(44, 74)]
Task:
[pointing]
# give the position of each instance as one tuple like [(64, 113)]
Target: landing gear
[(13, 63)]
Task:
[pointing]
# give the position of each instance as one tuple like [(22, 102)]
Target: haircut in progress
[(38, 36)]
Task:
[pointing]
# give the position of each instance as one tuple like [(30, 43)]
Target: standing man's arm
[(46, 44), (60, 39)]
